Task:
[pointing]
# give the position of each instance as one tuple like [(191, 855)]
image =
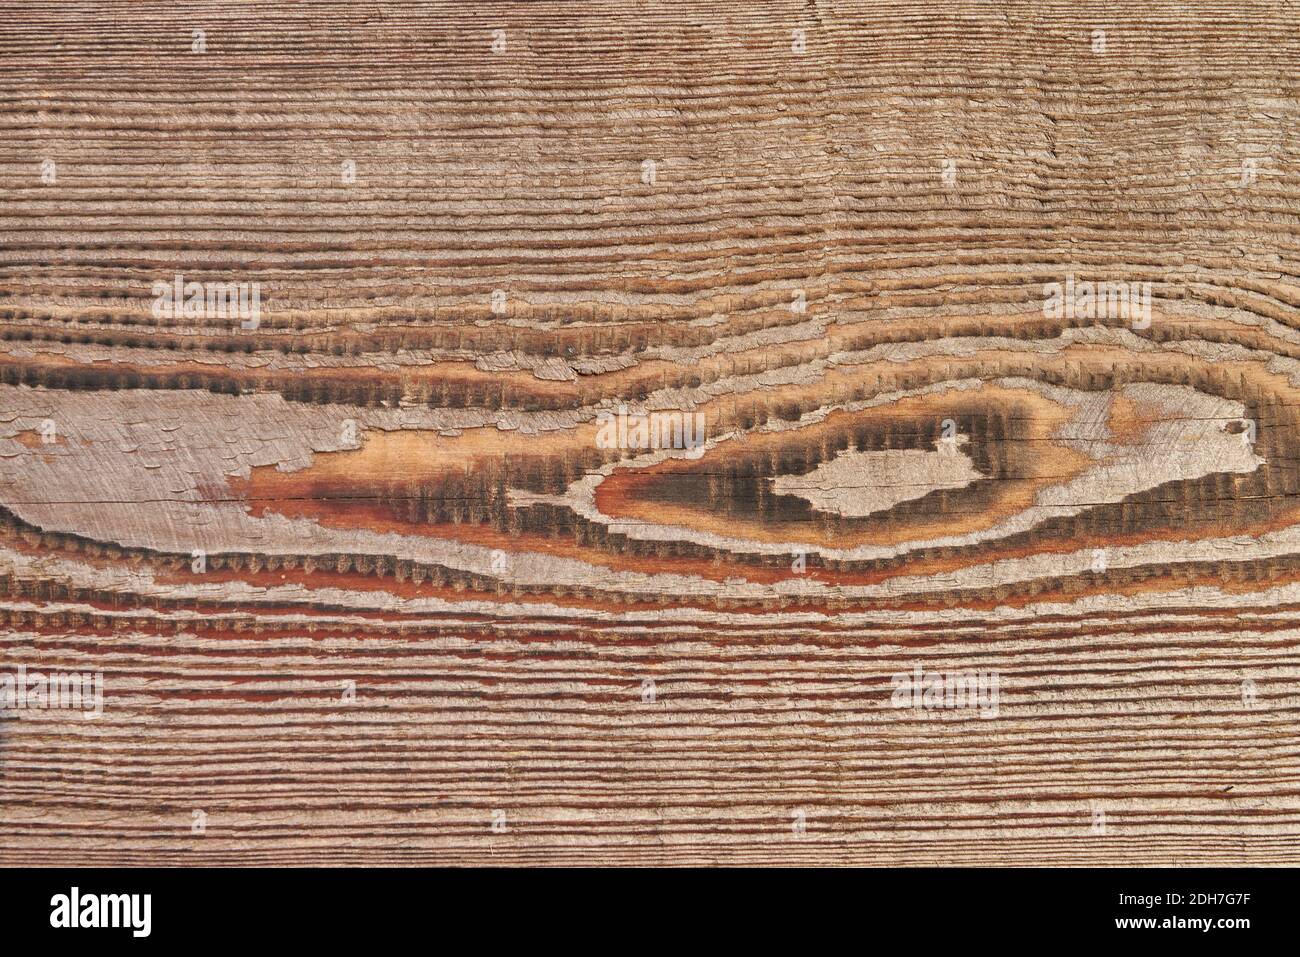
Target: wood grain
[(366, 584)]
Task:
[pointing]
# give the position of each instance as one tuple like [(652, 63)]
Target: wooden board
[(985, 316)]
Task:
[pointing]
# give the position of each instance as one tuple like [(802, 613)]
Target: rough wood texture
[(363, 582)]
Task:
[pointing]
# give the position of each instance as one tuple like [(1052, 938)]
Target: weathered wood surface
[(568, 654)]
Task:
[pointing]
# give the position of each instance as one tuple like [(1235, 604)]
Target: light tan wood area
[(580, 424)]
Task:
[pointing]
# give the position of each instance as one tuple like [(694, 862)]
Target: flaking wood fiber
[(783, 433)]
